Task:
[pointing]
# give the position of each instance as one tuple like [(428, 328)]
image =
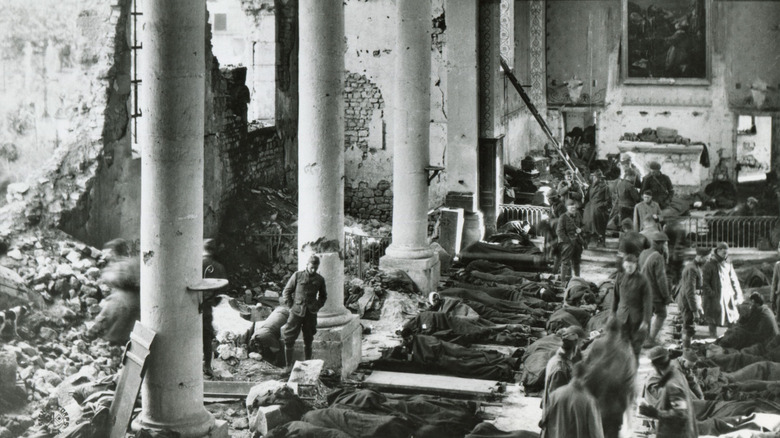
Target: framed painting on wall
[(666, 42)]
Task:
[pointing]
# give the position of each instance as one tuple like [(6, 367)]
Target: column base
[(206, 428), (340, 347), (424, 272)]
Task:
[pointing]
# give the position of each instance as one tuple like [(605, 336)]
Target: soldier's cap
[(572, 333), (572, 202), (653, 165), (597, 173), (757, 298), (552, 193), (659, 236), (627, 222), (314, 260), (658, 354), (432, 296), (703, 251), (722, 245), (631, 258), (752, 199)]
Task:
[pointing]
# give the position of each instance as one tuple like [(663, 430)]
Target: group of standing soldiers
[(707, 291), (575, 229)]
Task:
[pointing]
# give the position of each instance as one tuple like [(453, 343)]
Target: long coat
[(572, 413), (653, 268), (596, 213), (720, 300)]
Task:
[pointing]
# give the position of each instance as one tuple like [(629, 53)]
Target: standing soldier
[(599, 202), (659, 184), (559, 367), (653, 267), (211, 269), (673, 408), (305, 295), (632, 303), (568, 188), (569, 231), (631, 242), (689, 297), (647, 214), (626, 197), (572, 411), (626, 165), (719, 298)]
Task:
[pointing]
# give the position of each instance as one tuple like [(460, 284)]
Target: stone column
[(491, 110), (409, 250), (465, 225), (171, 137), (462, 134), (321, 174)]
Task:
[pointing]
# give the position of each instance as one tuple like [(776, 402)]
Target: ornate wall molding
[(537, 64), (508, 31), (489, 71)]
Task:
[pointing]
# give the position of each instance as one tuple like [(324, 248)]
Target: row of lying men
[(708, 291)]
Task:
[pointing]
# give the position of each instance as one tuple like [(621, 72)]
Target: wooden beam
[(389, 381)]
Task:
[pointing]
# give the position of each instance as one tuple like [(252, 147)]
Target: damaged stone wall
[(370, 201), (91, 186), (287, 85), (96, 117), (369, 83)]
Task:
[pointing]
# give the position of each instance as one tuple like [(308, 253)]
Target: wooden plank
[(430, 384), (224, 389), (130, 377)]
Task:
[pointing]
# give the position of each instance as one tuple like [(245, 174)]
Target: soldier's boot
[(655, 329), (686, 341), (565, 272), (307, 352), (576, 268), (288, 358)]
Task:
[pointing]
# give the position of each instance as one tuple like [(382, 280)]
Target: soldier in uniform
[(304, 294), (659, 184), (569, 230)]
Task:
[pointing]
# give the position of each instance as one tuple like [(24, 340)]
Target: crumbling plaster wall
[(92, 104), (111, 204), (370, 65), (90, 187)]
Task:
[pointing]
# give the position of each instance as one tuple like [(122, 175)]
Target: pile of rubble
[(44, 344)]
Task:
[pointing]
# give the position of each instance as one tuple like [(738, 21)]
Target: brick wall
[(370, 201), (361, 99)]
